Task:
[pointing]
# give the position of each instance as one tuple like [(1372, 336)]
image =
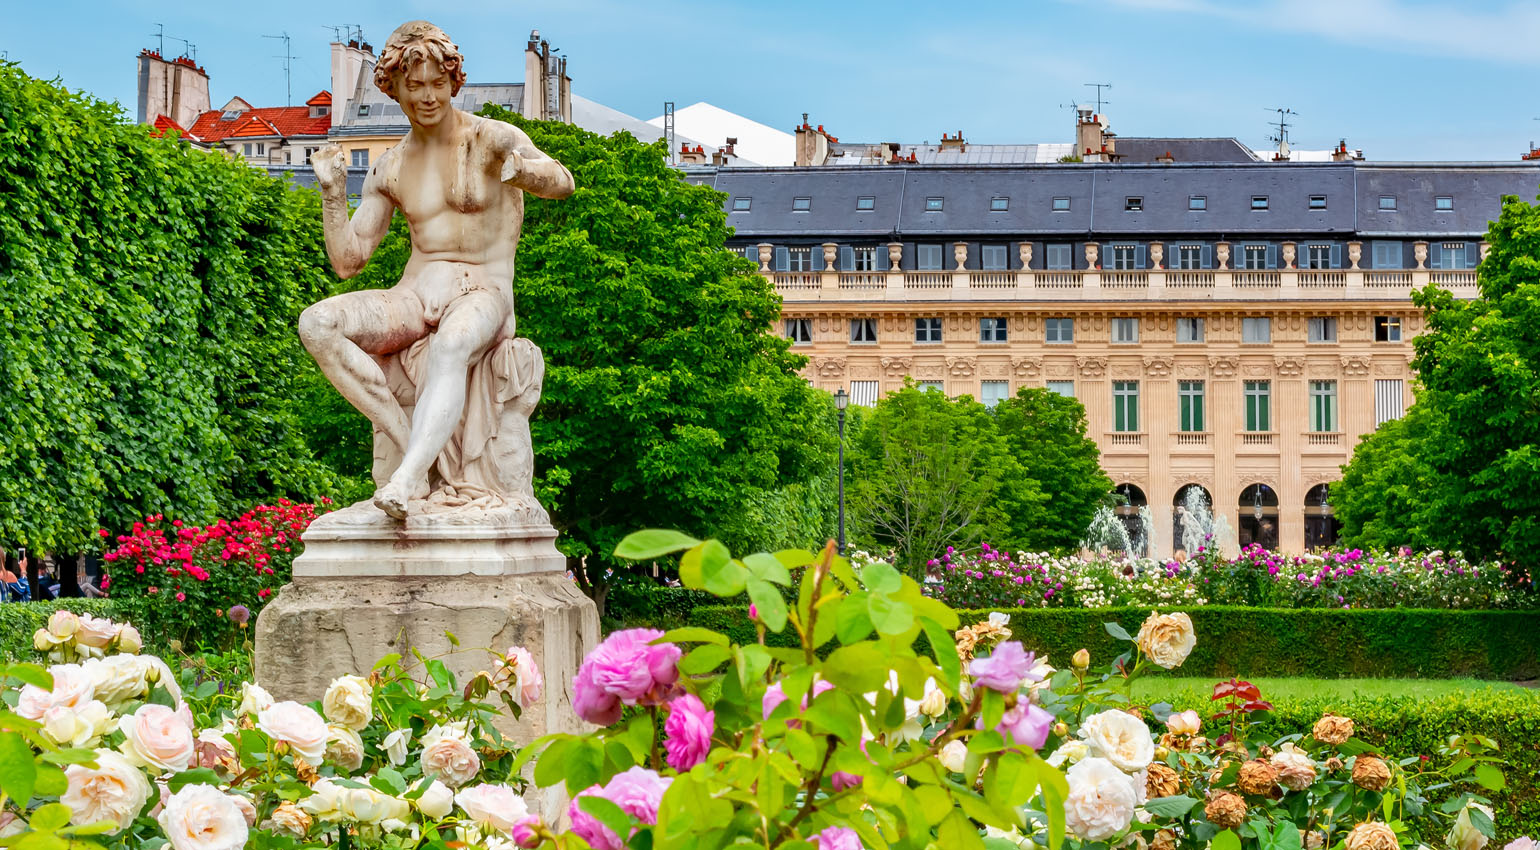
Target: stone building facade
[(1232, 327)]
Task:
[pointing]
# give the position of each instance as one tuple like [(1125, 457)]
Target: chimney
[(1342, 154), (349, 61), (889, 152), (1094, 139), (176, 88), (812, 144), (1165, 158), (692, 156), (547, 88), (953, 143)]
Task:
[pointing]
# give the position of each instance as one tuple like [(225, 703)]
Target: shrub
[(634, 602), (20, 620)]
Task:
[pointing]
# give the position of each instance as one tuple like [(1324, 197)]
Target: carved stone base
[(498, 540)]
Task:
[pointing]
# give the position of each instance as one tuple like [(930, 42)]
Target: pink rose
[(1026, 724), (73, 687), (629, 667), (840, 780), (591, 702), (521, 675), (837, 838), (297, 725), (688, 728), (638, 792), (1005, 669), (447, 754), (776, 694), (526, 832), (95, 631), (157, 738), (497, 807)]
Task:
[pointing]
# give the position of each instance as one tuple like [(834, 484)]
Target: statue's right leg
[(345, 332)]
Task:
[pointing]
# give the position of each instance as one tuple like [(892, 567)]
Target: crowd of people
[(18, 584)]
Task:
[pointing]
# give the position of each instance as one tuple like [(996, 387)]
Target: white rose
[(72, 688), (95, 631), (63, 625), (122, 678), (1120, 738), (954, 756), (201, 817), (1069, 751), (436, 802), (344, 748), (349, 701), (77, 727), (395, 745), (113, 791), (248, 808), (290, 820), (296, 725), (322, 801), (1101, 799), (367, 805), (1296, 769), (44, 641), (214, 746), (1464, 835), (129, 640), (254, 699), (1166, 639), (496, 806), (447, 754), (157, 738), (934, 703), (999, 618)]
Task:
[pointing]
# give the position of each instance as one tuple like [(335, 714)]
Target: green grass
[(1196, 691)]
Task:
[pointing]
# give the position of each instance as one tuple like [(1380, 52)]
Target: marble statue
[(433, 361)]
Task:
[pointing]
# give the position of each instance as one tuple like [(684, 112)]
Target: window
[(1387, 401), (993, 257), (742, 204), (1318, 202), (799, 259), (309, 152), (1323, 329), (361, 158), (1256, 329), (1061, 204), (863, 330), (1189, 257), (927, 257), (1259, 202), (1258, 394), (1318, 257), (1125, 405), (933, 205), (799, 331), (1387, 328), (1323, 406), (999, 204), (1254, 257), (1197, 202), (1124, 258), (1386, 255), (1189, 330), (1190, 397), (363, 110), (1133, 203), (994, 392), (246, 149), (1443, 203), (1059, 331), (932, 387), (863, 259), (1063, 388), (261, 148), (864, 393), (991, 330), (927, 330), (1059, 258), (1450, 255), (1125, 330), (866, 203), (801, 204), (1388, 203)]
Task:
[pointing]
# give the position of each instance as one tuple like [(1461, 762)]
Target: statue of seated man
[(460, 181)]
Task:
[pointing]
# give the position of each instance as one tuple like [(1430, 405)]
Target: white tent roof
[(712, 126)]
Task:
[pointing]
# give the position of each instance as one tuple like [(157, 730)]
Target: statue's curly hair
[(412, 43)]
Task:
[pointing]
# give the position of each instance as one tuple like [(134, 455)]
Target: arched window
[(1258, 512), (1192, 519), (1321, 527)]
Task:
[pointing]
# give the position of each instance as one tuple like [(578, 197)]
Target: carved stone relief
[(1027, 367), (1355, 366), (829, 367), (1157, 367), (1389, 370), (1092, 367), (1059, 370), (1256, 370), (961, 367), (1223, 367), (1290, 367), (995, 370), (896, 367)]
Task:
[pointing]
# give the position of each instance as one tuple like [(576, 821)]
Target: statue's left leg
[(467, 329)]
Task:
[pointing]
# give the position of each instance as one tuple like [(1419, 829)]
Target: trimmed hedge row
[(20, 620), (1235, 641)]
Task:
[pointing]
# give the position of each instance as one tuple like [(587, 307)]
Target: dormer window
[(933, 204), (1133, 203), (363, 110), (742, 204), (320, 111), (230, 115), (801, 204), (999, 204), (866, 203)]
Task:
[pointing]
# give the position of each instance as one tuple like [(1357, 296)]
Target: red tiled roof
[(162, 124), (282, 121), (323, 98)]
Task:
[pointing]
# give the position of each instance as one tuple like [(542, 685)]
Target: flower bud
[(129, 641), (1081, 659), (1061, 729)]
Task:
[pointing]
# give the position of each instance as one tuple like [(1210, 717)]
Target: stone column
[(960, 254), (1420, 254), (1157, 255), (1092, 255), (1288, 255), (831, 252), (766, 252), (1355, 253), (1024, 250), (1221, 255), (1484, 247)]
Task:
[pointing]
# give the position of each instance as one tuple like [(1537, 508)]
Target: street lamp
[(841, 401), (1256, 503)]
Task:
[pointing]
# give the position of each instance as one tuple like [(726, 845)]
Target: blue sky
[(1402, 80)]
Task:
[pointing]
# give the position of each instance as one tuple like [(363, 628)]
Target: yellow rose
[(1167, 639)]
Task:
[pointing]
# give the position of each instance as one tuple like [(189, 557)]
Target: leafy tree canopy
[(1046, 433)]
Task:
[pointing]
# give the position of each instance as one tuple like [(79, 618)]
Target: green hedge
[(1397, 643), (634, 603), (19, 620)]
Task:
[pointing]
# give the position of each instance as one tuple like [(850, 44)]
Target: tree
[(1463, 471), (1046, 433), (667, 400), (148, 293)]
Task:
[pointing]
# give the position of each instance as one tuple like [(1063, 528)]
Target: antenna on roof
[(1281, 139), (287, 57), (336, 30), (1099, 101), (669, 132), (160, 33)]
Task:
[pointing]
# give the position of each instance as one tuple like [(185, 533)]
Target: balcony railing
[(1146, 285), (1257, 438), (1125, 439), (1317, 438), (1189, 438)]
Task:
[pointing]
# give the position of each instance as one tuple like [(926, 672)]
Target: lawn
[(1190, 691)]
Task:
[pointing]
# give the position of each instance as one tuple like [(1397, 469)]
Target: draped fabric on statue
[(489, 461)]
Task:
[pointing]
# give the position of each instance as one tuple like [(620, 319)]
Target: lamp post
[(841, 401)]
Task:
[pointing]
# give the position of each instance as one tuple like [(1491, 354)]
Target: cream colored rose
[(1464, 835), (63, 625), (1101, 799), (498, 807), (349, 701), (158, 739), (113, 791), (1184, 723), (1167, 639), (201, 817), (954, 756), (448, 755), (290, 820), (77, 727), (44, 641), (248, 808), (122, 678), (95, 632), (1069, 751), (367, 805), (344, 748), (254, 699), (322, 802), (1372, 836), (521, 676), (1120, 738), (1296, 770), (1333, 730), (437, 802), (934, 703), (395, 745), (296, 725), (72, 688), (213, 746), (129, 640)]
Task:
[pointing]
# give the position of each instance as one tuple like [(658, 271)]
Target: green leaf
[(957, 832), (50, 818), (70, 756), (608, 813), (18, 773), (585, 764), (31, 674), (833, 712), (1120, 633), (551, 767), (51, 781), (1490, 777), (196, 776), (1287, 837), (1481, 821), (724, 577), (1226, 840), (858, 668), (389, 780), (387, 661), (1014, 780), (987, 741), (792, 559), (693, 634), (769, 603), (753, 661), (944, 648), (653, 543), (852, 623), (881, 577), (704, 659), (890, 616), (767, 568), (1171, 807)]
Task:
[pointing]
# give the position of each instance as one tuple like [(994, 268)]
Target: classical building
[(1230, 326)]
